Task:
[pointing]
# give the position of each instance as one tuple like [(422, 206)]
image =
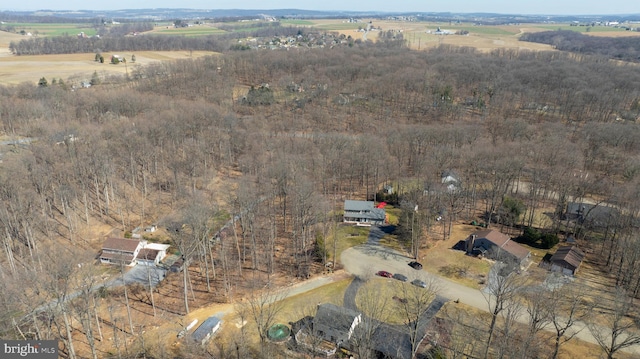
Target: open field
[(419, 36), (200, 30), (52, 29), (75, 68)]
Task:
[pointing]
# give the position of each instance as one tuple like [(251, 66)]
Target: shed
[(567, 260), (206, 330)]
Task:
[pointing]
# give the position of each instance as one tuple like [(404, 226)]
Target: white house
[(132, 251), (152, 254), (121, 250)]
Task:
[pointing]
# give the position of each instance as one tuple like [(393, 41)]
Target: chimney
[(470, 243)]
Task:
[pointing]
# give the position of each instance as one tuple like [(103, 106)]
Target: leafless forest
[(281, 138)]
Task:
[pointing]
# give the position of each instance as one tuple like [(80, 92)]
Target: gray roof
[(392, 341), (363, 210), (351, 205), (591, 211), (337, 318), (205, 329)]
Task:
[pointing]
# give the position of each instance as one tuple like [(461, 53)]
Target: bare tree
[(415, 305), (500, 294), (538, 309), (617, 329), (263, 304), (566, 306), (375, 309)]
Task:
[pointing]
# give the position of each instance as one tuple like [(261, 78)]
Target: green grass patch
[(347, 236), (457, 266), (393, 214), (303, 304), (391, 241), (384, 290), (293, 309), (296, 22), (191, 31), (381, 298), (51, 29), (340, 26)]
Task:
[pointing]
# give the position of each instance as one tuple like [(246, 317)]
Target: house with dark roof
[(498, 246), (336, 324), (333, 326), (566, 260), (121, 250), (591, 214), (363, 213), (152, 254)]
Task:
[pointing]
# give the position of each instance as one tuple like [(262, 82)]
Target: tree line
[(617, 48), (114, 39)]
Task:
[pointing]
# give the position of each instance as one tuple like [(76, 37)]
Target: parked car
[(386, 274), (415, 265), (400, 277), (419, 283)]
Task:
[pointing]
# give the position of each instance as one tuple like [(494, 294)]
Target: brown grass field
[(75, 68)]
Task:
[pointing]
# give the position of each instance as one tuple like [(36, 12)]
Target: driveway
[(365, 260), (140, 274)]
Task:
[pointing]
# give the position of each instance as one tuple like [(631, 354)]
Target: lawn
[(293, 309), (441, 259), (347, 236), (378, 293), (296, 22)]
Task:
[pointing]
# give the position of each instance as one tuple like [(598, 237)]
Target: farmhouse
[(496, 245), (363, 213)]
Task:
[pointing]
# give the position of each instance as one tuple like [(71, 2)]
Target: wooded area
[(282, 138), (618, 48)]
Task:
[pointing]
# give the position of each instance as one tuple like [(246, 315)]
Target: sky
[(546, 7)]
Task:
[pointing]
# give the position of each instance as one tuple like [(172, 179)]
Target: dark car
[(419, 283), (386, 274), (415, 265), (400, 277)]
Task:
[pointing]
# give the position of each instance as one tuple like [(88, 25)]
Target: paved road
[(365, 260)]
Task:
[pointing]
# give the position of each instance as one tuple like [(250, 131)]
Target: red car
[(383, 273)]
